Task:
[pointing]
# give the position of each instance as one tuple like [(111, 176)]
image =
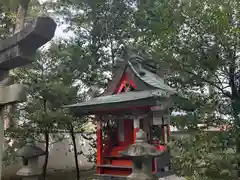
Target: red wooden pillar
[(99, 146), (128, 132)]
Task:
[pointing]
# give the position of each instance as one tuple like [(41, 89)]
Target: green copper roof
[(143, 68), (151, 78), (123, 97), (123, 102)]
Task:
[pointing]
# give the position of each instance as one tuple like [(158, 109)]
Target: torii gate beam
[(17, 51)]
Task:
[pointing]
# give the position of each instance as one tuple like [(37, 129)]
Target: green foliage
[(100, 27), (51, 86), (53, 81), (6, 20), (8, 11), (205, 155), (196, 44), (198, 51)]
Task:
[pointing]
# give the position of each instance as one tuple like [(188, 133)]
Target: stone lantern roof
[(30, 150), (141, 148)]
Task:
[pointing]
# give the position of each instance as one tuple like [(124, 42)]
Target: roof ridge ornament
[(136, 57), (130, 53)]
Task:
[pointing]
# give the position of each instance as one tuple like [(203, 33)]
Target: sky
[(59, 33)]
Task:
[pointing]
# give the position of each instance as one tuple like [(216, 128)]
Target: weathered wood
[(12, 94), (33, 36)]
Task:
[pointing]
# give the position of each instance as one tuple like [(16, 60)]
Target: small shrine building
[(136, 98)]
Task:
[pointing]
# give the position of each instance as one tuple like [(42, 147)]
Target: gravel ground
[(172, 177), (59, 175), (71, 175)]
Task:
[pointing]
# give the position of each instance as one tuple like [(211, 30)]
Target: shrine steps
[(113, 170), (112, 166), (115, 164), (118, 160)]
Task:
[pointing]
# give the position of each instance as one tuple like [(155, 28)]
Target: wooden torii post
[(17, 51)]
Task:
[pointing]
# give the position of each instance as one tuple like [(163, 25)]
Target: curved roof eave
[(152, 79)]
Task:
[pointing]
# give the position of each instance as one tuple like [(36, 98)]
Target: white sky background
[(60, 28), (60, 32)]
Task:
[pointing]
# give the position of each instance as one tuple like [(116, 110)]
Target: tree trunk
[(94, 32), (46, 134), (21, 15), (75, 150), (235, 103), (235, 107), (1, 139)]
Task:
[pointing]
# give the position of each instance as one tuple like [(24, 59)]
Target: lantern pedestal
[(29, 154), (142, 169), (31, 169), (141, 154)]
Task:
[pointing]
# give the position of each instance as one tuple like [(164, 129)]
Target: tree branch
[(225, 93)]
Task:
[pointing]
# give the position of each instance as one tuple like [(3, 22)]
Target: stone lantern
[(141, 154), (29, 154)]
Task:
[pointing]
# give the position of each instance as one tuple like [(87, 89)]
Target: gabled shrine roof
[(154, 89), (137, 98), (142, 69), (150, 78)]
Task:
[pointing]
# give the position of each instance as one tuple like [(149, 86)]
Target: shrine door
[(125, 132)]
